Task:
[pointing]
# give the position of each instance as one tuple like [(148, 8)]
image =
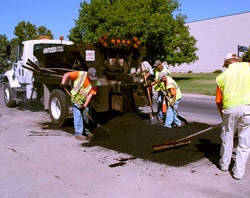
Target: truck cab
[(18, 82)]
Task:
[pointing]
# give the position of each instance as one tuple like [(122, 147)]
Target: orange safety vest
[(79, 93)]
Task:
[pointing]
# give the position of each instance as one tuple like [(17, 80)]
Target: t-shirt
[(172, 91), (218, 96), (74, 75)]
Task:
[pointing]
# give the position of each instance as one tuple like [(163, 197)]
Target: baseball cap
[(92, 73), (229, 56), (157, 62)]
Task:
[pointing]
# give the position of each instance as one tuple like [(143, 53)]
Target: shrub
[(218, 71)]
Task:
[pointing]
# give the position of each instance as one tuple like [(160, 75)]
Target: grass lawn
[(196, 83)]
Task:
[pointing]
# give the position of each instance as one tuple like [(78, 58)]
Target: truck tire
[(58, 108), (8, 95)]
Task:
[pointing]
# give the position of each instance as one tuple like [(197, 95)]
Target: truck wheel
[(58, 108), (8, 95)]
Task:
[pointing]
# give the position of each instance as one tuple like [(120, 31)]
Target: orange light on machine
[(101, 40), (104, 44), (128, 42), (44, 37), (123, 41), (118, 41), (105, 36), (113, 41), (61, 38), (136, 42), (135, 39)]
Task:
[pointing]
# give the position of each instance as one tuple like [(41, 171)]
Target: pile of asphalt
[(134, 135)]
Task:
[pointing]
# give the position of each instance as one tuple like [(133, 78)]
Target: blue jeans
[(171, 117), (80, 120), (160, 114)]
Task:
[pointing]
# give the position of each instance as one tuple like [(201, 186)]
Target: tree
[(3, 54), (43, 31), (23, 31), (166, 37), (246, 56), (75, 35), (27, 31)]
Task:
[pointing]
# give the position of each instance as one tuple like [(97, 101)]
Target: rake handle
[(188, 137), (164, 147), (149, 97)]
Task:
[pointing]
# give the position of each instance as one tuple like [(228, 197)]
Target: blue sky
[(59, 15)]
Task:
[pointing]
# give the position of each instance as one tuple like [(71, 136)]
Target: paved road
[(199, 108), (37, 160), (195, 108)]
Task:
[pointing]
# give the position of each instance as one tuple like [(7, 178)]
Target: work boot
[(81, 137), (90, 137)]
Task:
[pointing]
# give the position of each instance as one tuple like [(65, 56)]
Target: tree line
[(158, 24)]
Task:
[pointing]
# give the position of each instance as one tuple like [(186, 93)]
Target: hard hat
[(229, 56)]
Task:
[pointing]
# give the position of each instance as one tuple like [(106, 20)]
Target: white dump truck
[(40, 64)]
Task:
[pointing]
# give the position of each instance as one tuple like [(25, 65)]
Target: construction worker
[(85, 86), (157, 68), (233, 103), (172, 94)]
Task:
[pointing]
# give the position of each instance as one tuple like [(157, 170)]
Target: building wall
[(215, 38)]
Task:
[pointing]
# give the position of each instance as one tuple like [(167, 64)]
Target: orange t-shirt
[(74, 75), (172, 91), (218, 96)]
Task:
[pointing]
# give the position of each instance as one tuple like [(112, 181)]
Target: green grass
[(196, 83)]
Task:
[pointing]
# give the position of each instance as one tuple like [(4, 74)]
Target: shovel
[(182, 141), (180, 117), (99, 128), (153, 117)]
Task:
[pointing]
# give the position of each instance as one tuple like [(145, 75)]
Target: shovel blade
[(153, 119), (100, 132)]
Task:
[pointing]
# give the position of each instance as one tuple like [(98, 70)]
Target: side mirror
[(8, 50), (8, 54)]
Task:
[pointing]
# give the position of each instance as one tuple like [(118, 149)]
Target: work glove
[(172, 104), (62, 85), (82, 107), (146, 84)]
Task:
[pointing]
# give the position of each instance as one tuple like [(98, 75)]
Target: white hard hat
[(229, 56)]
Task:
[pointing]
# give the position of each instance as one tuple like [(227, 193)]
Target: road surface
[(37, 160)]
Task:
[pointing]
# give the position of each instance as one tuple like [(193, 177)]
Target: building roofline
[(217, 17)]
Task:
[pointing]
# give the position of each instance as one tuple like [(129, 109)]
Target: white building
[(215, 38)]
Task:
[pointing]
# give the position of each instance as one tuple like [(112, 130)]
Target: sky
[(59, 15)]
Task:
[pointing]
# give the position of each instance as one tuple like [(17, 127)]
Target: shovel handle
[(87, 114)]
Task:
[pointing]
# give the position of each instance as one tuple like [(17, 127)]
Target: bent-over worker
[(173, 95), (85, 86)]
